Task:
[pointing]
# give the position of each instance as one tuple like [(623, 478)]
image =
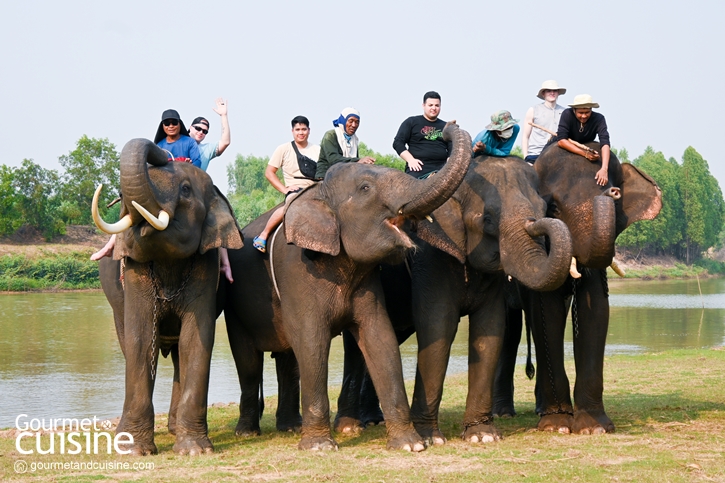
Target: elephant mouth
[(395, 224)]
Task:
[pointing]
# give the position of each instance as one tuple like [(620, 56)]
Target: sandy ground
[(29, 242)]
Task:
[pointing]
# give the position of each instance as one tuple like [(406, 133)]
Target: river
[(59, 356)]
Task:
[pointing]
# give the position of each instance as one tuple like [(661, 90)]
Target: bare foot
[(106, 251)]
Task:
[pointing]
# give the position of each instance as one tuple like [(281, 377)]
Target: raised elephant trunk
[(597, 248), (136, 185), (524, 257), (428, 194)]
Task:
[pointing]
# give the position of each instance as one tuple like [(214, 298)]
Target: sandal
[(260, 244)]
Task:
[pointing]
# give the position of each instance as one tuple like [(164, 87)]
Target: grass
[(68, 271), (657, 272), (669, 409)]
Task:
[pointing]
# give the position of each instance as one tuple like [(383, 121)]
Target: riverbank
[(668, 409)]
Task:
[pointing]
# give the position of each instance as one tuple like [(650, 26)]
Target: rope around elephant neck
[(157, 298), (271, 260)]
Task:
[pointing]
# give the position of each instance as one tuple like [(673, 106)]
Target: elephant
[(493, 226), (321, 276), (595, 216), (162, 286)]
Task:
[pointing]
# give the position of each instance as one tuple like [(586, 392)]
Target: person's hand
[(601, 177), (591, 155), (292, 188), (415, 165), (221, 106), (366, 160), (479, 147)]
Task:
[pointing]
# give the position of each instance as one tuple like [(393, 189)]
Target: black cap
[(200, 120), (169, 114)]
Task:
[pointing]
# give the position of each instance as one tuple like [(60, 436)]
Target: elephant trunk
[(136, 184), (525, 258), (597, 251), (428, 194)]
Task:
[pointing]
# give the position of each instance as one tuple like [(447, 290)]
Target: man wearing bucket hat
[(339, 145), (546, 115), (173, 137), (498, 138), (581, 125)]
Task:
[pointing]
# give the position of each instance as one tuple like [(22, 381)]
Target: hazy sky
[(109, 69)]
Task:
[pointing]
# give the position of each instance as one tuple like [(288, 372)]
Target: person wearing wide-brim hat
[(498, 137), (581, 125), (173, 136), (546, 115)]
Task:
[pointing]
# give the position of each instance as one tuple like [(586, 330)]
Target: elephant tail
[(261, 399), (530, 370)]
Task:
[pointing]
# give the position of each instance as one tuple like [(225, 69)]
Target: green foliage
[(10, 217), (73, 271), (36, 191), (93, 162), (250, 194), (389, 160), (517, 151)]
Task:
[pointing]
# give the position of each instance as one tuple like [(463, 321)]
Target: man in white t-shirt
[(285, 157)]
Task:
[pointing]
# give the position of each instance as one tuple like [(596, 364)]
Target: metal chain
[(574, 308), (485, 419), (157, 298)]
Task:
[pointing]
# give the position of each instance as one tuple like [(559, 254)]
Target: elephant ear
[(641, 197), (447, 232), (310, 223), (220, 227)]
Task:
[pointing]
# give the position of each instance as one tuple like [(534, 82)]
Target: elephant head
[(360, 209), (595, 214), (170, 210), (496, 221)]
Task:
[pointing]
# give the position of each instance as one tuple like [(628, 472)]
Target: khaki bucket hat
[(583, 100), (500, 121), (550, 85)]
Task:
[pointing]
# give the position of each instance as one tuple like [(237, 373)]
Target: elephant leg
[(503, 390), (435, 333), (288, 382), (547, 312), (486, 332), (249, 362), (175, 390), (196, 341), (590, 335), (347, 419)]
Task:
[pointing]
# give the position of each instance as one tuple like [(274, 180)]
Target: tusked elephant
[(595, 216), (493, 226), (321, 276), (162, 285)]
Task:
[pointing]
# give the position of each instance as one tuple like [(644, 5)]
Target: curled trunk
[(135, 182), (525, 259), (596, 249)]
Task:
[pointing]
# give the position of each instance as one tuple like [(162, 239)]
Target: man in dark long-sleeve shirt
[(580, 124), (420, 139)]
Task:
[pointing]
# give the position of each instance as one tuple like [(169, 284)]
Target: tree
[(250, 194), (10, 217), (93, 162), (36, 189)]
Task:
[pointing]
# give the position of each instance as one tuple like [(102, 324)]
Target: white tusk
[(159, 223), (617, 269), (572, 269), (121, 225), (427, 217)]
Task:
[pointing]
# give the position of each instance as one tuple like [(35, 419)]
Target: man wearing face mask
[(498, 138)]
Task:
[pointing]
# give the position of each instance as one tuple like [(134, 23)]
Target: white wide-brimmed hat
[(550, 85), (583, 100)]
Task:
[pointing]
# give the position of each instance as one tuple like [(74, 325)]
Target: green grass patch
[(669, 411), (657, 272), (72, 271)]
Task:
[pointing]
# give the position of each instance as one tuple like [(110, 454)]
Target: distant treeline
[(691, 220)]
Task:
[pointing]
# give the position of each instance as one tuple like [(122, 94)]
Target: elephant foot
[(289, 425), (561, 423), (172, 425), (504, 411), (245, 429), (372, 417), (348, 425), (432, 436), (592, 422), (485, 432), (407, 440), (141, 448), (193, 445), (312, 443)]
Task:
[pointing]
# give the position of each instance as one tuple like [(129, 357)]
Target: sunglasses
[(205, 131), (171, 122)]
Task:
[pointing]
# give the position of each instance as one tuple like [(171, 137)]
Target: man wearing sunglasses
[(200, 128), (173, 136)]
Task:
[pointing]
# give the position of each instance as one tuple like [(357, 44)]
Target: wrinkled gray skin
[(180, 263), (595, 220), (326, 258), (493, 226)]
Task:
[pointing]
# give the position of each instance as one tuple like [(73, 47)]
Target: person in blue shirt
[(498, 138), (173, 137)]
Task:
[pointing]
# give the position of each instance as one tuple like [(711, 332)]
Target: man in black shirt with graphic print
[(420, 139)]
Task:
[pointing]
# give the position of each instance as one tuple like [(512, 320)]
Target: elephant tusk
[(159, 223), (427, 217), (121, 225), (617, 269), (572, 269)]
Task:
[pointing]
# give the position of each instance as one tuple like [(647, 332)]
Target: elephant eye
[(365, 187), (185, 190), (489, 226)]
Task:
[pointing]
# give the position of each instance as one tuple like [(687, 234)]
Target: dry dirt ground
[(30, 242)]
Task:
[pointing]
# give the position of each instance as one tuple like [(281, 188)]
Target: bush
[(73, 271)]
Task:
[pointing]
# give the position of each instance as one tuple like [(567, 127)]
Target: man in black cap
[(200, 128), (173, 137)]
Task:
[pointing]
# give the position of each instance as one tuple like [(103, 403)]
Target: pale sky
[(108, 70)]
